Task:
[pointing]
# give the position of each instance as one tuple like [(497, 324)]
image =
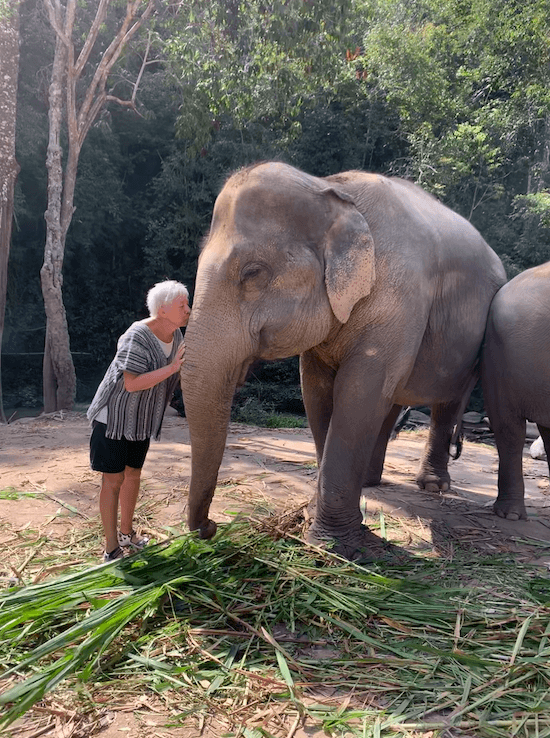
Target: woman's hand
[(178, 360), (137, 382)]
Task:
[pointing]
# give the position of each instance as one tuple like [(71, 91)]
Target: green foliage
[(7, 9), (254, 61), (12, 493), (404, 53), (272, 395), (280, 420), (537, 204), (352, 132), (470, 83), (254, 411)]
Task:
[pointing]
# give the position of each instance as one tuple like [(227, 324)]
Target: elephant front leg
[(317, 380), (375, 466), (433, 475), (357, 417)]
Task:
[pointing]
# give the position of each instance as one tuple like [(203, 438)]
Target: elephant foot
[(433, 482), (511, 509), (372, 481), (206, 530), (362, 547)]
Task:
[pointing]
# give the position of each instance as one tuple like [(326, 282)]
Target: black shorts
[(112, 456)]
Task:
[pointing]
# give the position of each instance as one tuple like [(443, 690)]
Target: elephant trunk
[(209, 376)]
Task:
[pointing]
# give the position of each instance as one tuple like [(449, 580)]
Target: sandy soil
[(263, 471)]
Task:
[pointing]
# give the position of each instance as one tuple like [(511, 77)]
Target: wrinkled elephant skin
[(381, 290), (516, 378)]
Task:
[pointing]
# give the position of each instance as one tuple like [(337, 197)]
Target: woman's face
[(177, 312)]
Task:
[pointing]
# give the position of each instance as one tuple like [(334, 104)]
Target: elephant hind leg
[(545, 435), (509, 431), (433, 474), (376, 462)]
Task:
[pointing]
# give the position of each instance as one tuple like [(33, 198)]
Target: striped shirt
[(135, 415)]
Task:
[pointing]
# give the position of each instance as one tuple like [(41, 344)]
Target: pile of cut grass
[(255, 633)]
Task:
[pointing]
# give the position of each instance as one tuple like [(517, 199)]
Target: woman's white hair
[(163, 293)]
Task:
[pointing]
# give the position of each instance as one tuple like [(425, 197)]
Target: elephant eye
[(252, 271)]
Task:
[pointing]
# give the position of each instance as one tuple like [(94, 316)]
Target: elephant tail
[(400, 422), (457, 440), (457, 436)]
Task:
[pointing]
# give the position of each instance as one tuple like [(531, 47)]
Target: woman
[(128, 408)]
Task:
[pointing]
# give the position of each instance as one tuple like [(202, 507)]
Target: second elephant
[(516, 378), (384, 293)]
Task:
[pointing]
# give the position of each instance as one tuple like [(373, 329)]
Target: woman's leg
[(108, 507), (128, 498)]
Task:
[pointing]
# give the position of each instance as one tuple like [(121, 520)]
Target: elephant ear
[(349, 257)]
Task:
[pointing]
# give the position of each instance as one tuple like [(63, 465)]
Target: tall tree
[(77, 108), (9, 168)]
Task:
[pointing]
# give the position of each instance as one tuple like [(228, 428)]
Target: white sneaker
[(132, 540)]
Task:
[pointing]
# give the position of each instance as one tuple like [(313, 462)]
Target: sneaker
[(132, 540), (116, 553)]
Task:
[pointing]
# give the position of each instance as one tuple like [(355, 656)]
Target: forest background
[(452, 94)]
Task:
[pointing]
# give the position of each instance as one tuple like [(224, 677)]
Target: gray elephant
[(381, 290), (516, 378)]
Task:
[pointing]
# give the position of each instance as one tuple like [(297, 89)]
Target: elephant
[(381, 290), (516, 378)]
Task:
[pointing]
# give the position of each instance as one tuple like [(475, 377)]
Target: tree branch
[(92, 36), (122, 103), (56, 20), (70, 93), (96, 89), (93, 112), (143, 65)]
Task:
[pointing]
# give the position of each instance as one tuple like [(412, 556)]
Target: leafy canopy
[(255, 60)]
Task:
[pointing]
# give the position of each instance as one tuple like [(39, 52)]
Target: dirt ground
[(263, 471)]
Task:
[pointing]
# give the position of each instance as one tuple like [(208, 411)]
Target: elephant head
[(286, 259)]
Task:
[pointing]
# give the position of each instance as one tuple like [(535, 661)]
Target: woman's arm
[(138, 382)]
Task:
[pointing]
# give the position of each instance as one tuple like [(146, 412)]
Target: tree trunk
[(58, 373), (9, 168)]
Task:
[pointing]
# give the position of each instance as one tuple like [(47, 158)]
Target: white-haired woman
[(128, 408)]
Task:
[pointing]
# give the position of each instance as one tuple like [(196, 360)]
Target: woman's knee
[(131, 473), (112, 482)]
